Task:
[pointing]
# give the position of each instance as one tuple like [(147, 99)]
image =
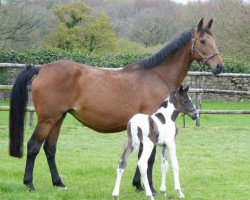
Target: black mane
[(167, 51)]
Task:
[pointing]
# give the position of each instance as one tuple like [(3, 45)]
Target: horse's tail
[(18, 103)]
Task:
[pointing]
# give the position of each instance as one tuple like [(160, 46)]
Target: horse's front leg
[(164, 169), (175, 166), (148, 146)]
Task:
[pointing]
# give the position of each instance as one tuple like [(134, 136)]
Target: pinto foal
[(160, 129)]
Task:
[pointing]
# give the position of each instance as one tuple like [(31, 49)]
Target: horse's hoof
[(30, 186), (60, 185), (62, 188)]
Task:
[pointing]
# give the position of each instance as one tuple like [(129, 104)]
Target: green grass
[(214, 161)]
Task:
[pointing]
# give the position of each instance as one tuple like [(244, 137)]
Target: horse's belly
[(105, 122)]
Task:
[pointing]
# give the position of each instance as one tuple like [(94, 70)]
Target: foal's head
[(204, 47), (183, 103)]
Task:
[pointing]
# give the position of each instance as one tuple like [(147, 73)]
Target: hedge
[(115, 60)]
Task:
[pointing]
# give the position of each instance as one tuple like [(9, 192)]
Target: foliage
[(46, 55), (114, 60), (77, 29)]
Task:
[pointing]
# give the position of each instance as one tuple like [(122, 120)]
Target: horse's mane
[(167, 51)]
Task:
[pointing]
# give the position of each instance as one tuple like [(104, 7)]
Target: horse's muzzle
[(218, 69)]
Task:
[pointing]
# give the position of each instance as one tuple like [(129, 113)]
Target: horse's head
[(204, 47), (184, 103)]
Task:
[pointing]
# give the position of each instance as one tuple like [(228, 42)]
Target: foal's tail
[(18, 102)]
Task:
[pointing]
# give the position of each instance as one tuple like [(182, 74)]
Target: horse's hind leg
[(50, 151), (34, 144), (121, 166)]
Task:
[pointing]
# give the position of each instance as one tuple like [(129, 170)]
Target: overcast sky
[(185, 1)]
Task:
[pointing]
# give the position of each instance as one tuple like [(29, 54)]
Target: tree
[(23, 23), (77, 29)]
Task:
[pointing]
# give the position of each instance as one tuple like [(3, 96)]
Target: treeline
[(105, 27)]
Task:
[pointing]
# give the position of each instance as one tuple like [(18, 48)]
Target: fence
[(199, 77)]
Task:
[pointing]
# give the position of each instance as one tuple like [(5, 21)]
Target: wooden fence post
[(198, 84), (31, 114)]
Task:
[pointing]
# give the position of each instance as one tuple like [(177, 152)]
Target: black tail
[(18, 103)]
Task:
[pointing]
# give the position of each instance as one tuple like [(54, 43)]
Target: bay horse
[(156, 129), (94, 96)]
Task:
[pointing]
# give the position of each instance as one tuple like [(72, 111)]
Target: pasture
[(214, 161)]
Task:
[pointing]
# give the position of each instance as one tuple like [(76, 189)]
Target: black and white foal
[(158, 128)]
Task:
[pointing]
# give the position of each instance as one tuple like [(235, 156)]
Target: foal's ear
[(200, 25), (209, 24), (186, 89), (180, 89)]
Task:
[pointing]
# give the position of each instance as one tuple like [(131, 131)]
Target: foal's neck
[(169, 109)]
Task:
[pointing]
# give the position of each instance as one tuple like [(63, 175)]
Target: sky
[(185, 1)]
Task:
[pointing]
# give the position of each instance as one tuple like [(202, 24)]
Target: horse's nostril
[(220, 66)]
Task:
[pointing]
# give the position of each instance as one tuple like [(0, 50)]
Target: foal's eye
[(203, 41)]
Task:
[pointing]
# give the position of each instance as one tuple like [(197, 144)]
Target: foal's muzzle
[(195, 115)]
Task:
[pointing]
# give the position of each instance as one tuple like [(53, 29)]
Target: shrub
[(114, 60)]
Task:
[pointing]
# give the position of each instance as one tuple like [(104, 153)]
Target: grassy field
[(214, 161)]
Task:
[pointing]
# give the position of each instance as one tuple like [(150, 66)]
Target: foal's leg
[(148, 146), (164, 169), (175, 166), (34, 144), (50, 151), (121, 167), (137, 176)]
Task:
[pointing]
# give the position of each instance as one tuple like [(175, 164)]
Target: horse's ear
[(209, 24), (200, 25), (186, 89)]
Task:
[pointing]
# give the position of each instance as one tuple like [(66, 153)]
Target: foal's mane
[(167, 51)]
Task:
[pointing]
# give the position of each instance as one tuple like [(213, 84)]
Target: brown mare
[(103, 100)]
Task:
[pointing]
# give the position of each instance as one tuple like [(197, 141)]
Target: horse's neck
[(174, 69)]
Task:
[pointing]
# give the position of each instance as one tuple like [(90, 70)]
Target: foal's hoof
[(163, 193), (116, 197), (138, 186), (153, 190), (150, 197), (180, 194)]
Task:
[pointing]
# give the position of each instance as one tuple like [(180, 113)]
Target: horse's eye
[(203, 41)]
